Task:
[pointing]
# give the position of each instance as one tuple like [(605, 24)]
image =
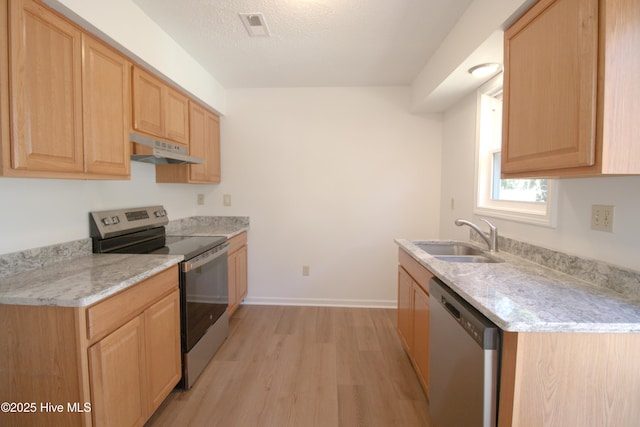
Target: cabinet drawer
[(237, 242), (105, 316), (419, 273)]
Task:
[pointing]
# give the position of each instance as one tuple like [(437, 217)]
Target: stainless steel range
[(204, 297)]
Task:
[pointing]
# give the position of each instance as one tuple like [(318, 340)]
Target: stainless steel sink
[(447, 248), (455, 252), (465, 258)]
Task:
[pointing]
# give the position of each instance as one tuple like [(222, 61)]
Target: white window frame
[(542, 214)]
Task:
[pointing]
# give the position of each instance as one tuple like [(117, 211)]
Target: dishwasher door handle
[(451, 309)]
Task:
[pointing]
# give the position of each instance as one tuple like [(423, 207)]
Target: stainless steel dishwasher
[(464, 356)]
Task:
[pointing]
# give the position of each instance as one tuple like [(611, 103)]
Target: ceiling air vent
[(255, 24)]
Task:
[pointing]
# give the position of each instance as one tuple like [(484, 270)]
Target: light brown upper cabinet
[(64, 98), (106, 107), (46, 88), (158, 109), (571, 91), (204, 142)]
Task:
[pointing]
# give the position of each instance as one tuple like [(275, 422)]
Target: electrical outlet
[(305, 270), (226, 199), (201, 199), (602, 218)]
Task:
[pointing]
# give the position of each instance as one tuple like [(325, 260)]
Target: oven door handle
[(204, 258)]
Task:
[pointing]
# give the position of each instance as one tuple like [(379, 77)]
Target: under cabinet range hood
[(164, 153)]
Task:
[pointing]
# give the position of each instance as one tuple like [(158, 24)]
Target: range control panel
[(112, 223)]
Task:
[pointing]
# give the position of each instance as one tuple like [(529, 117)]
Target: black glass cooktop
[(189, 246)]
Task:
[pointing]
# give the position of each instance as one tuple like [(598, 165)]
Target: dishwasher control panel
[(471, 329), (481, 329)]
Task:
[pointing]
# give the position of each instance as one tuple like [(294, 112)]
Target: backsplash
[(598, 273), (32, 259), (223, 223)]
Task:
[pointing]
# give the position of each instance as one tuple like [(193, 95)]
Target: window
[(524, 200)]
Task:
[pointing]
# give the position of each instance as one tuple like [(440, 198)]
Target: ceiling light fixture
[(255, 24), (485, 70)]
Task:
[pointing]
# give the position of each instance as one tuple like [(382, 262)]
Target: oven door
[(204, 295)]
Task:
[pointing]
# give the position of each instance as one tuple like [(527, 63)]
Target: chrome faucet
[(491, 238)]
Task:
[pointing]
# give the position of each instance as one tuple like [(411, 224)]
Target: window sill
[(547, 219)]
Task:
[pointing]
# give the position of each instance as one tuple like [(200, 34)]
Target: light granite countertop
[(521, 296), (81, 281), (208, 230), (69, 275), (228, 226)]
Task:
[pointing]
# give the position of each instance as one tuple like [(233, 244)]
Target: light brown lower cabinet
[(117, 364), (413, 314), (570, 379), (109, 364), (546, 378), (405, 309), (142, 357), (237, 264), (162, 345), (421, 334)]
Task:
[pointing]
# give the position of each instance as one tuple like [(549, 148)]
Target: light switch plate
[(226, 200)]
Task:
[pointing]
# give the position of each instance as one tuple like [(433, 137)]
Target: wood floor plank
[(303, 366)]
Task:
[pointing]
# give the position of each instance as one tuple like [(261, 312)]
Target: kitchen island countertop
[(521, 296), (82, 281)]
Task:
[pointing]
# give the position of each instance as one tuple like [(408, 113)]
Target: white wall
[(573, 234), (329, 177), (473, 40), (458, 163), (40, 212)]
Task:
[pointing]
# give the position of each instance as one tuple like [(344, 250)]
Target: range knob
[(107, 221), (160, 213)]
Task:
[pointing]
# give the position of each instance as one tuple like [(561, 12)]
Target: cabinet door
[(550, 83), (148, 105), (241, 274), (204, 142), (233, 286), (117, 375), (405, 309), (162, 333), (177, 116), (237, 266), (198, 142), (46, 92), (212, 134), (421, 334), (106, 109)]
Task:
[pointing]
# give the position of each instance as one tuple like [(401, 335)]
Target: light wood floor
[(303, 366)]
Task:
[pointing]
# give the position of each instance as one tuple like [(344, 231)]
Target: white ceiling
[(313, 42)]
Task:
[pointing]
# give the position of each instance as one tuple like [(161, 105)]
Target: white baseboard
[(321, 302)]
